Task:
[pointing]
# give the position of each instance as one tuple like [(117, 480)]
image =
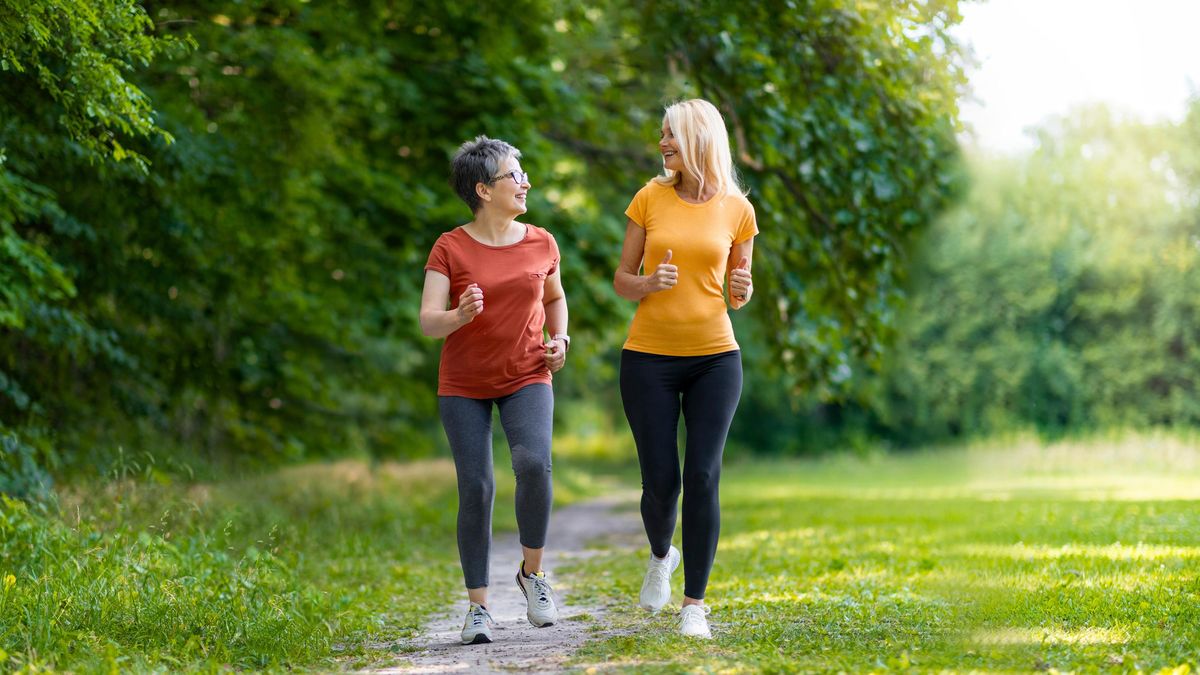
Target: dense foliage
[(1063, 294), (215, 215)]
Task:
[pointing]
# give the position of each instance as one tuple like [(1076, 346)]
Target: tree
[(251, 288)]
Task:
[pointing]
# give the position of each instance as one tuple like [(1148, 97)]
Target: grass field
[(1014, 556), (1011, 557), (307, 566)]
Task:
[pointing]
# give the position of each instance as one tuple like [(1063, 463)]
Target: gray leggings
[(527, 417)]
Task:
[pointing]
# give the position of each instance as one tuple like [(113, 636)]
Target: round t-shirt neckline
[(685, 202), (528, 229)]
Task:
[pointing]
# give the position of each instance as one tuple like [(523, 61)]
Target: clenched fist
[(470, 303), (665, 276), (740, 280)]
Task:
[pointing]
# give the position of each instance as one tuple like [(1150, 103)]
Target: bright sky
[(1038, 58)]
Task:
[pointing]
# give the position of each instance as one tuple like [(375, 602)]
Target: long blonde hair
[(703, 143)]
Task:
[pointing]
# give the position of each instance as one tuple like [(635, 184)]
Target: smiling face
[(669, 147), (506, 193)]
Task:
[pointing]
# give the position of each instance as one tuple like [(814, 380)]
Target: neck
[(689, 186), (492, 228)]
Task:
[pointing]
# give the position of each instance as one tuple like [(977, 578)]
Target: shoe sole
[(526, 594), (479, 639)]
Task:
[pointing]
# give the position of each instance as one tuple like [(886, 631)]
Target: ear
[(484, 192)]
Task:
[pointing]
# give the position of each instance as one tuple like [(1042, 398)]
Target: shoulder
[(739, 200), (653, 189), (737, 203), (538, 233), (451, 237)]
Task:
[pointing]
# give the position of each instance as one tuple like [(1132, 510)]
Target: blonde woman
[(689, 238)]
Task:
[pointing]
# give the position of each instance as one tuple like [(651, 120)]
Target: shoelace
[(479, 616), (693, 617), (661, 571), (542, 588)]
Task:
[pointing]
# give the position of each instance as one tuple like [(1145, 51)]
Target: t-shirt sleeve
[(747, 225), (637, 208), (554, 254), (439, 257)]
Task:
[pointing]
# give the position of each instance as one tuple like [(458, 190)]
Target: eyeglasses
[(517, 176)]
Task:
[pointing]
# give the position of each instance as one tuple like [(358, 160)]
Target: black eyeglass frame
[(511, 174)]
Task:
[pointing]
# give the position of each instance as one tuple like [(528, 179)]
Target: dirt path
[(518, 645)]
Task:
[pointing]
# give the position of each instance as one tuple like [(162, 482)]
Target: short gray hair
[(477, 161)]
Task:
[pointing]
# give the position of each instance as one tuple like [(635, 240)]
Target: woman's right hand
[(664, 277), (470, 304)]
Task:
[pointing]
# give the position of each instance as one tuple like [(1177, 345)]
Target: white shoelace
[(660, 569), (659, 573), (480, 617), (693, 617), (542, 588)]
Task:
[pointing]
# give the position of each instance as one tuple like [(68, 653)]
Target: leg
[(527, 416), (468, 425), (528, 419), (650, 396), (709, 401)]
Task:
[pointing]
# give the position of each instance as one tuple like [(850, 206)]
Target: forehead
[(509, 163)]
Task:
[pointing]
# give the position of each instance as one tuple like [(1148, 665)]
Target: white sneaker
[(656, 587), (477, 627), (539, 598), (693, 621)]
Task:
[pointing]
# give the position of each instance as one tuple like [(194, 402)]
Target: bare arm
[(554, 299), (436, 320), (740, 282), (627, 282)]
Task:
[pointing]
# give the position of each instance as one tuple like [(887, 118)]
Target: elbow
[(426, 328), (622, 288)]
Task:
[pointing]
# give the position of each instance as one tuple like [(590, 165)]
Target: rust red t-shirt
[(502, 349)]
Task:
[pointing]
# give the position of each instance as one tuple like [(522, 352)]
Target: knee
[(701, 482), (476, 492), (530, 464), (664, 489)]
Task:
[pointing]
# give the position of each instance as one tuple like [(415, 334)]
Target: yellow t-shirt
[(689, 319)]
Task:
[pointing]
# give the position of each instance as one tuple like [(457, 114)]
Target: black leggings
[(651, 388)]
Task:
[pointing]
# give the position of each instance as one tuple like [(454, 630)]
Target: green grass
[(1079, 556), (1016, 556), (294, 567)]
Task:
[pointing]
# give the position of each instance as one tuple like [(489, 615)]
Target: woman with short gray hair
[(497, 357)]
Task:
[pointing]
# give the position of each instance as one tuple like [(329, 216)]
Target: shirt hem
[(495, 393), (721, 349)]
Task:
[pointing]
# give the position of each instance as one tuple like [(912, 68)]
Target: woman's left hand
[(740, 280), (556, 354)]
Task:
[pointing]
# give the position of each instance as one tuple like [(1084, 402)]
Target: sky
[(1038, 58)]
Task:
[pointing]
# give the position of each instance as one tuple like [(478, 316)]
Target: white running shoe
[(656, 587), (477, 627), (693, 621), (539, 598)]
